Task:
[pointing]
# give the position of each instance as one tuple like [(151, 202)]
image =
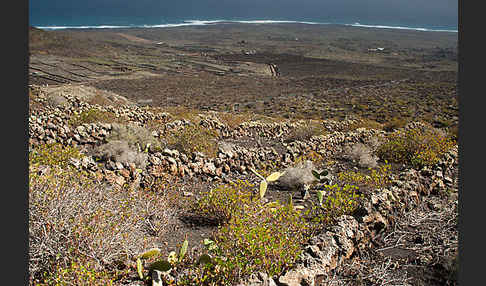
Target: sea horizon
[(140, 22)]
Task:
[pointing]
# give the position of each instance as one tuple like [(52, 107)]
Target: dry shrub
[(99, 99), (295, 177), (119, 151), (182, 112), (74, 220), (234, 120), (56, 100), (306, 131), (137, 137), (361, 154)]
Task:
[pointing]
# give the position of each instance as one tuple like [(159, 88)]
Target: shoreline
[(226, 22)]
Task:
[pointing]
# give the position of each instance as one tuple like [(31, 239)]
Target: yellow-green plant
[(93, 115), (340, 201), (224, 201), (77, 273), (312, 155), (378, 177), (260, 239), (417, 147), (54, 154), (194, 138)]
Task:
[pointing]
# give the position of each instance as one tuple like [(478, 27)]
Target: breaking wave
[(212, 22)]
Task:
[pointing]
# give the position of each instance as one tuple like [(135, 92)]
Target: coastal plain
[(322, 71)]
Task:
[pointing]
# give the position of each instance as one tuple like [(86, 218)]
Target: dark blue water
[(56, 14)]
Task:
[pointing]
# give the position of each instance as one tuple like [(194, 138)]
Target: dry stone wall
[(326, 250)]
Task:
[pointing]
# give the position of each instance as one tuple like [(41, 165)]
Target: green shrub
[(313, 156), (338, 201), (225, 201), (417, 147), (252, 237), (261, 239), (93, 115), (377, 178), (194, 138), (77, 273), (54, 154)]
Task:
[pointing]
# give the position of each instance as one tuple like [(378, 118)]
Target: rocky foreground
[(404, 234)]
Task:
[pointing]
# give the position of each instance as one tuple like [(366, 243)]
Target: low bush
[(295, 177), (340, 201), (306, 131), (261, 239), (56, 100), (311, 155), (119, 151), (182, 112), (78, 228), (194, 138), (362, 154), (234, 120), (79, 273), (252, 237), (54, 154), (365, 123), (137, 137), (378, 177), (93, 115), (224, 201), (395, 123), (418, 147)]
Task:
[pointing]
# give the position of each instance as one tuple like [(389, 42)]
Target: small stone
[(219, 171), (173, 169), (188, 194), (171, 160), (155, 160), (125, 173), (118, 165)]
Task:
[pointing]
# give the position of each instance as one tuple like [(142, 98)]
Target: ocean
[(430, 15), (141, 22)]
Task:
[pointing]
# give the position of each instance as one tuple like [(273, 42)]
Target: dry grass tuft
[(306, 131), (361, 154), (119, 151)]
